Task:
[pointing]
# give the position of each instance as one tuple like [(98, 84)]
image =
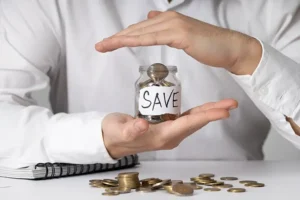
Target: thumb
[(153, 13), (135, 128)]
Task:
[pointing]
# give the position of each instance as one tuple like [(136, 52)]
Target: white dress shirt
[(51, 43)]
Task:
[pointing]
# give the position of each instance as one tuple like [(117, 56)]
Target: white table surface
[(282, 179)]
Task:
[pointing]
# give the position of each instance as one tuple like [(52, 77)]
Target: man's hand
[(209, 44), (124, 135)]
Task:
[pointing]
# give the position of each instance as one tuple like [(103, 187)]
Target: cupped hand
[(124, 135), (209, 44)]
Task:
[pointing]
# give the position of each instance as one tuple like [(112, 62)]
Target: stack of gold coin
[(129, 180)]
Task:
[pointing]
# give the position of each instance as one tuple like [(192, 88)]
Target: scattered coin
[(176, 181), (144, 189), (96, 181), (255, 185), (112, 189), (182, 189), (124, 190), (212, 189), (223, 186), (169, 188), (196, 187), (200, 178), (160, 184), (129, 180), (236, 190), (207, 175), (215, 183), (110, 193), (247, 181), (110, 182), (228, 178), (204, 181)]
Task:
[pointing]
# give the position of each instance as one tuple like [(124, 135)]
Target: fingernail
[(232, 107)]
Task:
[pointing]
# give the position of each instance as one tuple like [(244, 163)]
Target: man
[(92, 94)]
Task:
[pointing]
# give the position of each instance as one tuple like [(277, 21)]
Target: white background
[(275, 148)]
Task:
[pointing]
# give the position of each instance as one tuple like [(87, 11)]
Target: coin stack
[(128, 181)]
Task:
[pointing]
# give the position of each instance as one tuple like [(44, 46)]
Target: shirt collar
[(164, 5)]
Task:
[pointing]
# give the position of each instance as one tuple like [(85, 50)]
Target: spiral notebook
[(56, 170)]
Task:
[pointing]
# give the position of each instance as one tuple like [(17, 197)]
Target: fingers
[(150, 29), (153, 13), (154, 19), (134, 128), (188, 124), (228, 104), (157, 38)]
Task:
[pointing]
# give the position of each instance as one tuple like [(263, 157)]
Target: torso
[(106, 81)]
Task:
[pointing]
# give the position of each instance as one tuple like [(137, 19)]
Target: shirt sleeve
[(275, 84), (29, 49)]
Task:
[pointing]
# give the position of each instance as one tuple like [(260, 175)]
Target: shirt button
[(263, 91)]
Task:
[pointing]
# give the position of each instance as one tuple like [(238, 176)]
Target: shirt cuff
[(76, 138), (275, 82)]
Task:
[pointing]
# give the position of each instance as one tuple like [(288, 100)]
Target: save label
[(157, 100)]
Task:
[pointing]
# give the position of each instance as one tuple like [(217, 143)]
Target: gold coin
[(168, 188), (97, 186), (255, 185), (128, 174), (212, 189), (203, 182), (147, 179), (196, 187), (236, 190), (96, 181), (209, 175), (110, 182), (223, 186), (247, 181), (200, 178), (229, 178), (215, 183), (193, 185), (160, 184), (150, 181), (182, 189), (154, 181), (144, 189), (112, 189), (124, 190), (110, 193), (176, 181)]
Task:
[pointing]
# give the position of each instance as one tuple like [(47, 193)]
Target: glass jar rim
[(171, 68)]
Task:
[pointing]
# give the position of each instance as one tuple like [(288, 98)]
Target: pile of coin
[(126, 182)]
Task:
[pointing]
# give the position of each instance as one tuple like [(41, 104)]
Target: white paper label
[(157, 100)]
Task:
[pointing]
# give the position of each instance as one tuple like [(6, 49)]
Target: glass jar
[(158, 93)]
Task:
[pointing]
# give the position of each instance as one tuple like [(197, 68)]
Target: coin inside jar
[(157, 72)]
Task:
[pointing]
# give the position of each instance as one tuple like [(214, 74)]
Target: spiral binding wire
[(51, 167)]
